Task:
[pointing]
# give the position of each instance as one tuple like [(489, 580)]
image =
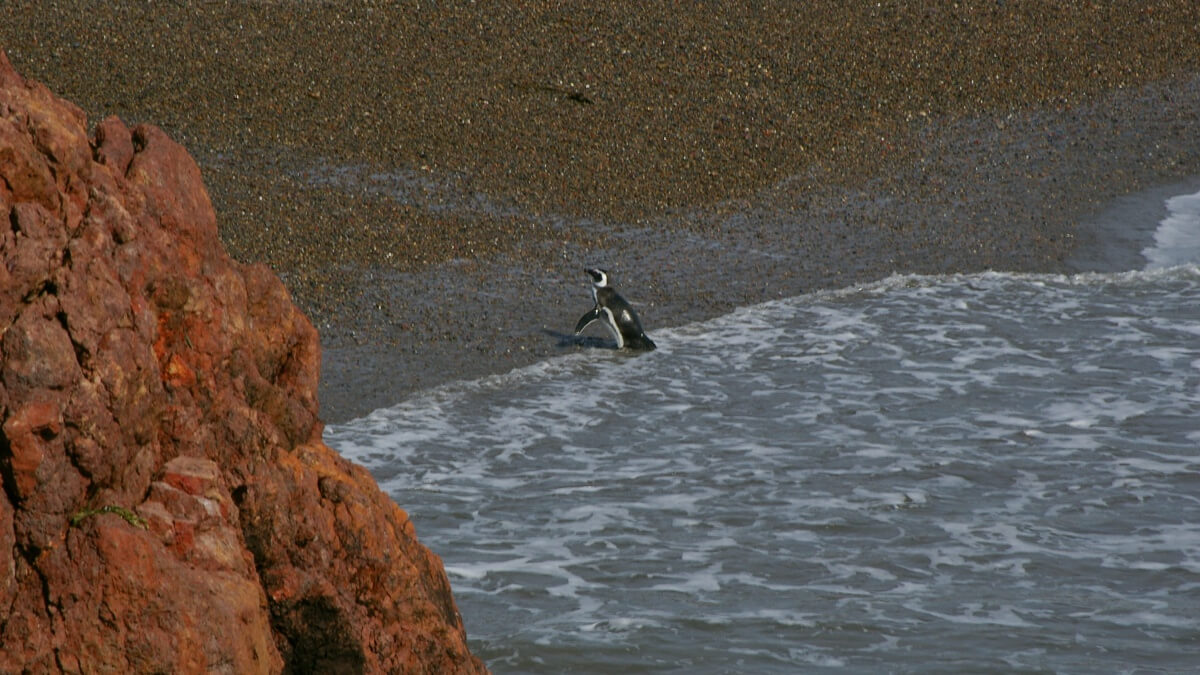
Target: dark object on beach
[(569, 94), (615, 313)]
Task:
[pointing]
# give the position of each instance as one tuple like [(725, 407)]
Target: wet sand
[(1114, 239), (429, 181)]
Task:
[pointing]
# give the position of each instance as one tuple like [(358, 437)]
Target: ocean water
[(968, 473)]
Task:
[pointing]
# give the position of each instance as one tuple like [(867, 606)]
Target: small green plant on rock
[(129, 516)]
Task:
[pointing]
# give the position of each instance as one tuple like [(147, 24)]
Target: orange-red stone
[(167, 502)]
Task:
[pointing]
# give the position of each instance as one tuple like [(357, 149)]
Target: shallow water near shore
[(929, 473)]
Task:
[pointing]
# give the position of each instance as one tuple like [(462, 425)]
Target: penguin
[(618, 316)]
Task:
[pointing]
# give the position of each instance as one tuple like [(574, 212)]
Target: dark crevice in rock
[(318, 639), (7, 477), (43, 287)]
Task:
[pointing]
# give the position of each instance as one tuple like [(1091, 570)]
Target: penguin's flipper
[(587, 319)]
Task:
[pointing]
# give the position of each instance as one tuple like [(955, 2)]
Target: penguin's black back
[(626, 319)]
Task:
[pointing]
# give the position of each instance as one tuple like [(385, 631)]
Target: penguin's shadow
[(566, 340)]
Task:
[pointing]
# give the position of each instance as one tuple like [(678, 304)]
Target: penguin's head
[(599, 276)]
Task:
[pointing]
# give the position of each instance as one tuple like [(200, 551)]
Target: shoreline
[(1095, 215), (360, 378), (429, 181), (1113, 240)]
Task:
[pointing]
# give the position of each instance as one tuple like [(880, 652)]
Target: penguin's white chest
[(611, 324)]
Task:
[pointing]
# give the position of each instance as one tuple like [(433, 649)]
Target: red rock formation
[(167, 501)]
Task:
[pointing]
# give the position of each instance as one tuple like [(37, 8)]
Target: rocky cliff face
[(167, 502)]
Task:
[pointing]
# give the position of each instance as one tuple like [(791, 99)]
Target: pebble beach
[(430, 180)]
